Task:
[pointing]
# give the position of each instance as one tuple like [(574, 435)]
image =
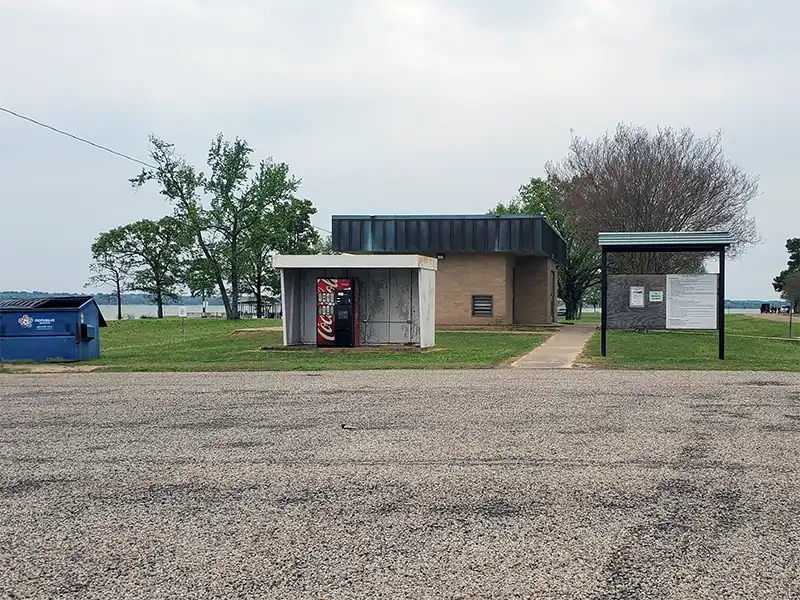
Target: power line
[(75, 137), (99, 146)]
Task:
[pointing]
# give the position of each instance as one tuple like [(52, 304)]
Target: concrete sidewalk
[(560, 351)]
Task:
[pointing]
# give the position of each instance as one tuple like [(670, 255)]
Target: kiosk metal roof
[(680, 240)]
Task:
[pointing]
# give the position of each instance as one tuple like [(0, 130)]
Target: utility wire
[(99, 146), (75, 137)]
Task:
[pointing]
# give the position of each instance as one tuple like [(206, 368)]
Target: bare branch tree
[(670, 180)]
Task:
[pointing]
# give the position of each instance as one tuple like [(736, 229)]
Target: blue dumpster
[(56, 329)]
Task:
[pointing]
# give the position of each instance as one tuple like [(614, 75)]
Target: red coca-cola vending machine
[(337, 312)]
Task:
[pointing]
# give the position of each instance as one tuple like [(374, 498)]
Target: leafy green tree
[(156, 251), (581, 271), (259, 248), (285, 228), (791, 290), (294, 233), (110, 265), (793, 248), (200, 279), (325, 246), (220, 209)]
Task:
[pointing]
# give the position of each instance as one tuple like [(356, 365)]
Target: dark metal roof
[(443, 234), (49, 303)]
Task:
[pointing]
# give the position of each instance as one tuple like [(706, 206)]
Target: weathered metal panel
[(415, 325), (388, 304), (291, 306), (399, 303), (622, 316), (373, 308)]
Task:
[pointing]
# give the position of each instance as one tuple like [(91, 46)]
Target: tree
[(581, 271), (791, 290), (200, 280), (155, 250), (793, 248), (284, 227), (259, 248), (219, 209), (670, 180), (110, 265), (324, 246)]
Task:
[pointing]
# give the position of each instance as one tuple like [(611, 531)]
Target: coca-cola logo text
[(327, 285), (325, 327)]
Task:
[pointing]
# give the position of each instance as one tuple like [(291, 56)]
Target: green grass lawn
[(209, 345), (748, 347), (586, 317)]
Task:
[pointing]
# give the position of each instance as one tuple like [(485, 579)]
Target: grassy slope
[(158, 345), (746, 348)]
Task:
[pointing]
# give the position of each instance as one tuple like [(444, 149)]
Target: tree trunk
[(217, 274), (259, 309), (572, 309), (203, 299), (234, 311), (572, 302), (119, 301), (160, 303)]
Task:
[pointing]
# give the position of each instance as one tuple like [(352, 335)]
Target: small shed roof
[(679, 239), (354, 261)]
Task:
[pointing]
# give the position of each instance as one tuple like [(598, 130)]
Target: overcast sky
[(380, 106)]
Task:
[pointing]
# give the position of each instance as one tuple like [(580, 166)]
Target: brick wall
[(534, 282), (459, 276)]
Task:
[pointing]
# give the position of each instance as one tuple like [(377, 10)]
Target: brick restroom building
[(492, 269)]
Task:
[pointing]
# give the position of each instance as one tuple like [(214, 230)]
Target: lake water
[(136, 311)]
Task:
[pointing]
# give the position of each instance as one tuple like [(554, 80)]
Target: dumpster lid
[(50, 303)]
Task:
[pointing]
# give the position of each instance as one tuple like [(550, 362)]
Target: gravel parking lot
[(536, 484)]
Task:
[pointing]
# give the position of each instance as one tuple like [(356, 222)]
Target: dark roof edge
[(471, 216), (452, 217)]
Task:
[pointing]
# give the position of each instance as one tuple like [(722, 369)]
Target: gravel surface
[(489, 484)]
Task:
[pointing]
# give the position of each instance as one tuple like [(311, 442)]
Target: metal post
[(603, 300), (721, 303)]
